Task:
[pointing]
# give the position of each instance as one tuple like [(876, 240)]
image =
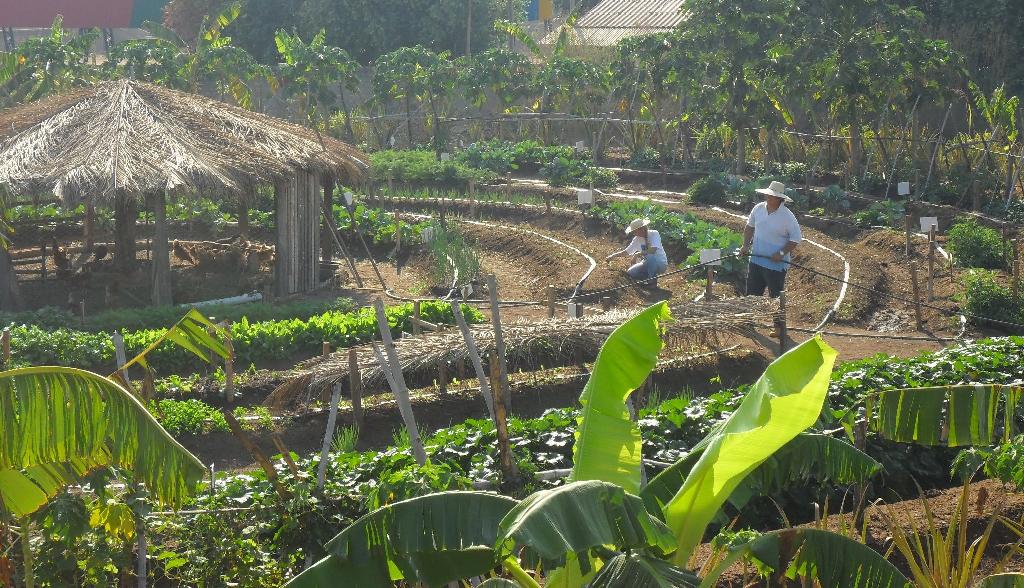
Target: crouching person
[(647, 251)]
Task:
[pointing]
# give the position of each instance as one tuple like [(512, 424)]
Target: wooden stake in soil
[(1015, 286), (606, 303), (509, 470), (42, 261), (325, 348), (355, 388), (918, 321), (907, 220), (709, 285), (499, 339), (254, 451), (931, 263), (119, 355), (474, 357), (81, 311), (393, 367), (442, 376), (332, 417), (229, 366), (781, 327), (285, 454), (416, 316), (6, 341), (550, 295)]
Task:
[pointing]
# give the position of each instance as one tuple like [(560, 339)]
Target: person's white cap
[(777, 189), (637, 224)]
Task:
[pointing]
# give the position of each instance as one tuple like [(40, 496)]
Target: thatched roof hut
[(123, 141)]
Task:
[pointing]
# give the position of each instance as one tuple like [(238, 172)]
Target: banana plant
[(595, 530), (60, 424), (45, 65)]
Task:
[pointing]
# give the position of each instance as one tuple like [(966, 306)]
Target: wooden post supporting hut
[(296, 262)]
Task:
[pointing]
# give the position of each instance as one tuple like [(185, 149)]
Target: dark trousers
[(760, 277)]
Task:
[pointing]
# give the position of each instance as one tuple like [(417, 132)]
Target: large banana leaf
[(633, 570), (191, 332), (433, 539), (924, 415), (608, 443), (808, 456), (61, 423), (784, 401), (578, 517), (1009, 580), (834, 560)]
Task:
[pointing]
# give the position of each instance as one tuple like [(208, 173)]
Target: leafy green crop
[(975, 245)]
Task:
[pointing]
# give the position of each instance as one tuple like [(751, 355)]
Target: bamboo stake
[(416, 315), (391, 365), (442, 377), (550, 295), (499, 339), (509, 470), (325, 348), (285, 454), (355, 388), (931, 263), (474, 358), (254, 451), (332, 417), (907, 220), (917, 296), (709, 286)]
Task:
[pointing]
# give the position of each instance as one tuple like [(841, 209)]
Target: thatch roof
[(129, 137), (528, 345)]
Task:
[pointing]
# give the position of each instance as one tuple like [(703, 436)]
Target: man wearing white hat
[(646, 245), (771, 235)]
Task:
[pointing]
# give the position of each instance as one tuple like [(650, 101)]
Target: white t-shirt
[(772, 231), (653, 241)]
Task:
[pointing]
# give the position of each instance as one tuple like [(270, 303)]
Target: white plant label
[(584, 196), (711, 256), (446, 156), (575, 310), (349, 196), (427, 234), (927, 222), (580, 146), (467, 290), (903, 188)]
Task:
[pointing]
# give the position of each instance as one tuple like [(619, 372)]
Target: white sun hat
[(777, 189), (637, 224)]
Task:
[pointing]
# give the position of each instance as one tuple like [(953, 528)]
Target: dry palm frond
[(129, 137), (528, 345)]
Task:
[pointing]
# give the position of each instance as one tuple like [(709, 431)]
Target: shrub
[(645, 158), (708, 190), (886, 213), (567, 171), (974, 245), (423, 166), (985, 297), (496, 156), (834, 199)]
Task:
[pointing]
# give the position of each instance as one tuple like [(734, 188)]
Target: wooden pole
[(474, 357), (919, 322), (393, 367), (285, 454), (709, 286), (931, 263), (119, 354), (509, 470), (229, 366), (782, 322), (332, 417), (42, 263), (499, 339), (398, 234), (81, 311), (6, 340), (606, 303), (416, 315), (355, 388), (907, 220), (442, 376), (550, 295), (254, 451), (325, 348), (1015, 287), (161, 265)]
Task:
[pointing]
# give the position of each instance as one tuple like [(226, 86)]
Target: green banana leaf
[(633, 570), (833, 560), (608, 443), (499, 583), (580, 516), (432, 539), (808, 456), (785, 400), (1011, 580), (191, 333), (62, 423), (968, 412)]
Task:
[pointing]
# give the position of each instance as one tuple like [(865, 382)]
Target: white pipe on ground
[(244, 298)]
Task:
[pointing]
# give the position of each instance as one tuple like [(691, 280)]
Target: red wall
[(77, 13)]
